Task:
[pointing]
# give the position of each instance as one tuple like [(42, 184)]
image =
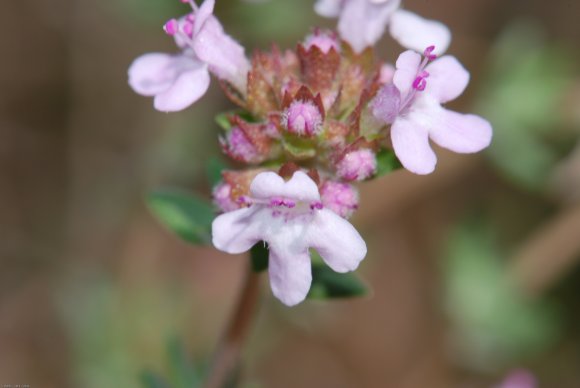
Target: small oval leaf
[(187, 215)]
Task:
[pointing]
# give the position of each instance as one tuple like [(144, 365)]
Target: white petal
[(462, 133), (447, 79), (328, 8), (411, 143), (237, 231), (189, 86), (337, 241), (416, 33), (290, 274), (226, 57), (300, 187), (407, 66), (362, 22), (152, 73), (201, 16)]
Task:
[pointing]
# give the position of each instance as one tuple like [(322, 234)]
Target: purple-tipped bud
[(324, 40), (171, 27), (239, 147), (341, 198), (222, 197), (357, 165), (303, 118)]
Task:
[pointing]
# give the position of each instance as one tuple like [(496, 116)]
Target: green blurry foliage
[(387, 162), (182, 372), (494, 324), (327, 284), (523, 99), (116, 330), (187, 215)]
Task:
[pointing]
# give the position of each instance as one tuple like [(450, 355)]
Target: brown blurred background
[(92, 287)]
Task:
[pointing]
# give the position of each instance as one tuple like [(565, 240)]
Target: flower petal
[(328, 8), (411, 143), (362, 22), (385, 106), (225, 56), (416, 33), (290, 274), (447, 79), (151, 73), (300, 187), (407, 67), (190, 85), (201, 16), (337, 241), (237, 231), (462, 133)]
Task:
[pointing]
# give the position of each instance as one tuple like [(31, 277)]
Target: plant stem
[(228, 352)]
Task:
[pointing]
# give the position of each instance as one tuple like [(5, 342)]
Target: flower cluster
[(311, 122)]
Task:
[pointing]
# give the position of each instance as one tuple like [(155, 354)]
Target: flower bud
[(239, 146), (222, 197), (324, 40), (302, 118), (341, 198), (357, 165)]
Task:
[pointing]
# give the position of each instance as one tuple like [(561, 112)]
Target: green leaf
[(299, 148), (182, 371), (496, 325), (223, 119), (259, 256), (387, 162), (186, 215), (327, 284)]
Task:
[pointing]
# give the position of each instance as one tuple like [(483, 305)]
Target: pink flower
[(290, 217), (413, 106), (363, 22), (177, 81)]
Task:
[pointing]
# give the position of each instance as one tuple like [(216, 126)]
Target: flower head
[(341, 198), (291, 218), (415, 111), (177, 81), (357, 165), (363, 22)]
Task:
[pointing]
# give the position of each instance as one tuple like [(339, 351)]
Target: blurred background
[(474, 269)]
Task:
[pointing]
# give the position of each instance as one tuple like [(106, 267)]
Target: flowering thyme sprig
[(311, 121)]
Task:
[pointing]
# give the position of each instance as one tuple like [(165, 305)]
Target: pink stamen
[(316, 205), (419, 84), (428, 53), (171, 27), (188, 29)]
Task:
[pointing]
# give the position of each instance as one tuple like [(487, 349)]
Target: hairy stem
[(228, 352)]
